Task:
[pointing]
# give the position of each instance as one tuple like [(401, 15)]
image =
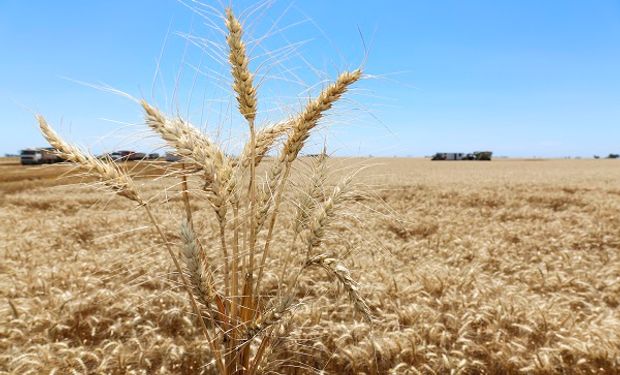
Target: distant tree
[(613, 156), (596, 157)]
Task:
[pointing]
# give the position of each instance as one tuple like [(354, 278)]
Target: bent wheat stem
[(122, 184)]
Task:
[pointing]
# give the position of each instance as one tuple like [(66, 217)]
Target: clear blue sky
[(521, 78)]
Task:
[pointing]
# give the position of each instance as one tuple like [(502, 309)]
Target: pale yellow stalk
[(301, 127)]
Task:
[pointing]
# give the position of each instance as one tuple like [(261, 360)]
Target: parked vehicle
[(127, 155), (483, 155), (477, 155), (39, 156), (448, 156), (171, 156)]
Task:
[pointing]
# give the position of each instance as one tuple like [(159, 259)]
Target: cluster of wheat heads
[(240, 318)]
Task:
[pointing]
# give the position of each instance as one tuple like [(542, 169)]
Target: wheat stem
[(122, 184), (302, 125), (185, 196)]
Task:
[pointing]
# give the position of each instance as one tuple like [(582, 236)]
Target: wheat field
[(502, 267)]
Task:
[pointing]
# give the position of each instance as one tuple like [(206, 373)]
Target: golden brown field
[(509, 266)]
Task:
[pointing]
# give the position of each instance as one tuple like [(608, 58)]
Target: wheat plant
[(237, 312)]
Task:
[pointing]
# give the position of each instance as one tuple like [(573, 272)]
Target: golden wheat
[(501, 268), (478, 268), (238, 324)]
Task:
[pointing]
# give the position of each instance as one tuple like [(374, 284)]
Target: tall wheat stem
[(272, 222), (246, 98), (185, 196), (249, 277), (252, 191)]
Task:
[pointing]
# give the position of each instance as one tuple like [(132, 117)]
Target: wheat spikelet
[(199, 275), (243, 86), (110, 175), (197, 147), (324, 214), (310, 116), (343, 275), (301, 125), (270, 318), (265, 139), (312, 195)]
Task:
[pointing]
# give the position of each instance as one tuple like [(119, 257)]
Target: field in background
[(9, 161), (509, 266)]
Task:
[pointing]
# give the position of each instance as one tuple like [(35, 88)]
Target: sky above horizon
[(520, 78)]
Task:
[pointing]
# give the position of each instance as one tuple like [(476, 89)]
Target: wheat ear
[(122, 184), (343, 275), (192, 144), (312, 195), (299, 133), (308, 199), (242, 85), (320, 221), (110, 175), (317, 225), (197, 147), (197, 267), (265, 139), (314, 111)]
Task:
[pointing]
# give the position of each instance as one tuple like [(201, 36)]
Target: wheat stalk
[(299, 133), (246, 98), (122, 184)]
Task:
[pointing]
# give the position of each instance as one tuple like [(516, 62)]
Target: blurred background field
[(509, 266)]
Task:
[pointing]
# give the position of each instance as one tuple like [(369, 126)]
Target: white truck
[(39, 156)]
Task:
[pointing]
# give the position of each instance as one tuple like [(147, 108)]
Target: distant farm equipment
[(39, 156), (477, 155), (127, 155), (171, 156)]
